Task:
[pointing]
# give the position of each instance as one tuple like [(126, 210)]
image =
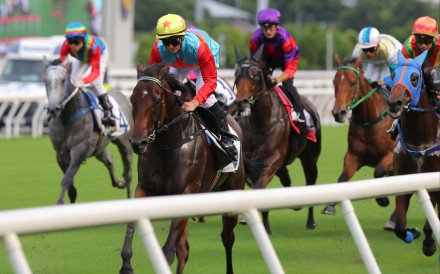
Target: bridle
[(160, 127), (244, 70)]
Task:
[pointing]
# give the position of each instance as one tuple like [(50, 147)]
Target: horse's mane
[(55, 62), (171, 79), (349, 60)]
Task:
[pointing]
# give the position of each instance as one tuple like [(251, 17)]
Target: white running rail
[(248, 202)]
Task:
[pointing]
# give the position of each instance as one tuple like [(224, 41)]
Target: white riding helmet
[(368, 38)]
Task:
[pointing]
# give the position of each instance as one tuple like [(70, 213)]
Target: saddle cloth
[(122, 125), (224, 93), (293, 115)]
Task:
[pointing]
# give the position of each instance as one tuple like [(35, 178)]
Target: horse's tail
[(252, 168)]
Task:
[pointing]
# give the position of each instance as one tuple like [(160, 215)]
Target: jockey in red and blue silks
[(91, 50), (280, 51), (192, 49), (425, 37)]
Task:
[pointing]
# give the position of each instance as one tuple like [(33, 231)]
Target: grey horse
[(73, 132)]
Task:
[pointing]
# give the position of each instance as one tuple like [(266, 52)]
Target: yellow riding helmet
[(170, 25)]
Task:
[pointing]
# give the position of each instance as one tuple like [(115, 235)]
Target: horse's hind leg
[(228, 239), (175, 234), (182, 251), (311, 174), (380, 172), (70, 169), (106, 158)]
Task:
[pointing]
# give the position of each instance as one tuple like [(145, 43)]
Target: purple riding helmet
[(269, 15)]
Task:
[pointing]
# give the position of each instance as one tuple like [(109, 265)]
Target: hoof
[(297, 208), (429, 248), (389, 225), (329, 210), (311, 226), (243, 222), (119, 184), (383, 202)]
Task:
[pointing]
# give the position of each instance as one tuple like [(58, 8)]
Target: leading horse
[(175, 157), (418, 146), (73, 132), (271, 142), (369, 144)]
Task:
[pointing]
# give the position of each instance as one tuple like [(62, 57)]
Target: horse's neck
[(178, 130), (371, 107), (266, 109), (72, 106), (420, 128)]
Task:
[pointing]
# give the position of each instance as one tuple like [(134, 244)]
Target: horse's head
[(347, 83), (56, 73), (149, 99), (250, 78), (407, 84)]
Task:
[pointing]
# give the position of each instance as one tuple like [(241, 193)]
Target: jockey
[(425, 37), (91, 50), (379, 51), (192, 50), (280, 51)]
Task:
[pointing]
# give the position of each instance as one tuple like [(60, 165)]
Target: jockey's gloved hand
[(78, 83), (273, 81), (375, 85)]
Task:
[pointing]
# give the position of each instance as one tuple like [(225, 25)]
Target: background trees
[(309, 21)]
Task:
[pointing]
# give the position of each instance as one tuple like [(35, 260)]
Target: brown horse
[(369, 144), (418, 146), (174, 158), (271, 142)]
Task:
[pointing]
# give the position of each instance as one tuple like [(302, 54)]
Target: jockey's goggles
[(424, 39), (173, 40), (372, 49), (74, 40), (268, 25)]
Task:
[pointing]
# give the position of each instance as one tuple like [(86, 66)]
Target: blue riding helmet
[(269, 15)]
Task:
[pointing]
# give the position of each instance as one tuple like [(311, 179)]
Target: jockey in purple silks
[(280, 51)]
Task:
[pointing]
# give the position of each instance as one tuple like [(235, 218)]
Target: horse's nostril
[(398, 103)]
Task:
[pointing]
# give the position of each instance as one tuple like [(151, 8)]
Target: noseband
[(160, 128)]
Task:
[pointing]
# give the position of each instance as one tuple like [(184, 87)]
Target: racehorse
[(174, 158), (271, 142), (73, 132), (418, 146), (369, 144)]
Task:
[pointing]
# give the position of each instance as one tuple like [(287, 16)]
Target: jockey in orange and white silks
[(192, 49), (91, 50), (379, 52)]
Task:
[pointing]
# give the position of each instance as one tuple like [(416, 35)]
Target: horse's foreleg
[(182, 251), (127, 251), (126, 152), (177, 229), (351, 165), (106, 158), (428, 247), (228, 239), (402, 205)]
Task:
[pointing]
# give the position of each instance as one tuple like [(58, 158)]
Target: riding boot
[(433, 87), (107, 107), (297, 106), (226, 136)]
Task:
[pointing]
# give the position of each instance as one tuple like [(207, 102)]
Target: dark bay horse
[(271, 142), (369, 144), (418, 146), (73, 134), (174, 158)]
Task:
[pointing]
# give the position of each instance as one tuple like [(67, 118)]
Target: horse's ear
[(421, 58), (238, 55), (163, 71), (337, 60), (46, 61), (358, 61), (140, 69), (258, 53)]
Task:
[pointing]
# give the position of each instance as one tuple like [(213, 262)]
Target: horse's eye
[(237, 72), (156, 103), (414, 78)]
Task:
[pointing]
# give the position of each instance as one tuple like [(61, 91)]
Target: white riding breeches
[(183, 72)]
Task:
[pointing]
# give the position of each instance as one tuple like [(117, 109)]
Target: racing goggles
[(268, 25), (372, 49), (173, 40), (424, 39), (74, 40)]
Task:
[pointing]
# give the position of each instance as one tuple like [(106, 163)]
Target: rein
[(355, 103), (160, 127)]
